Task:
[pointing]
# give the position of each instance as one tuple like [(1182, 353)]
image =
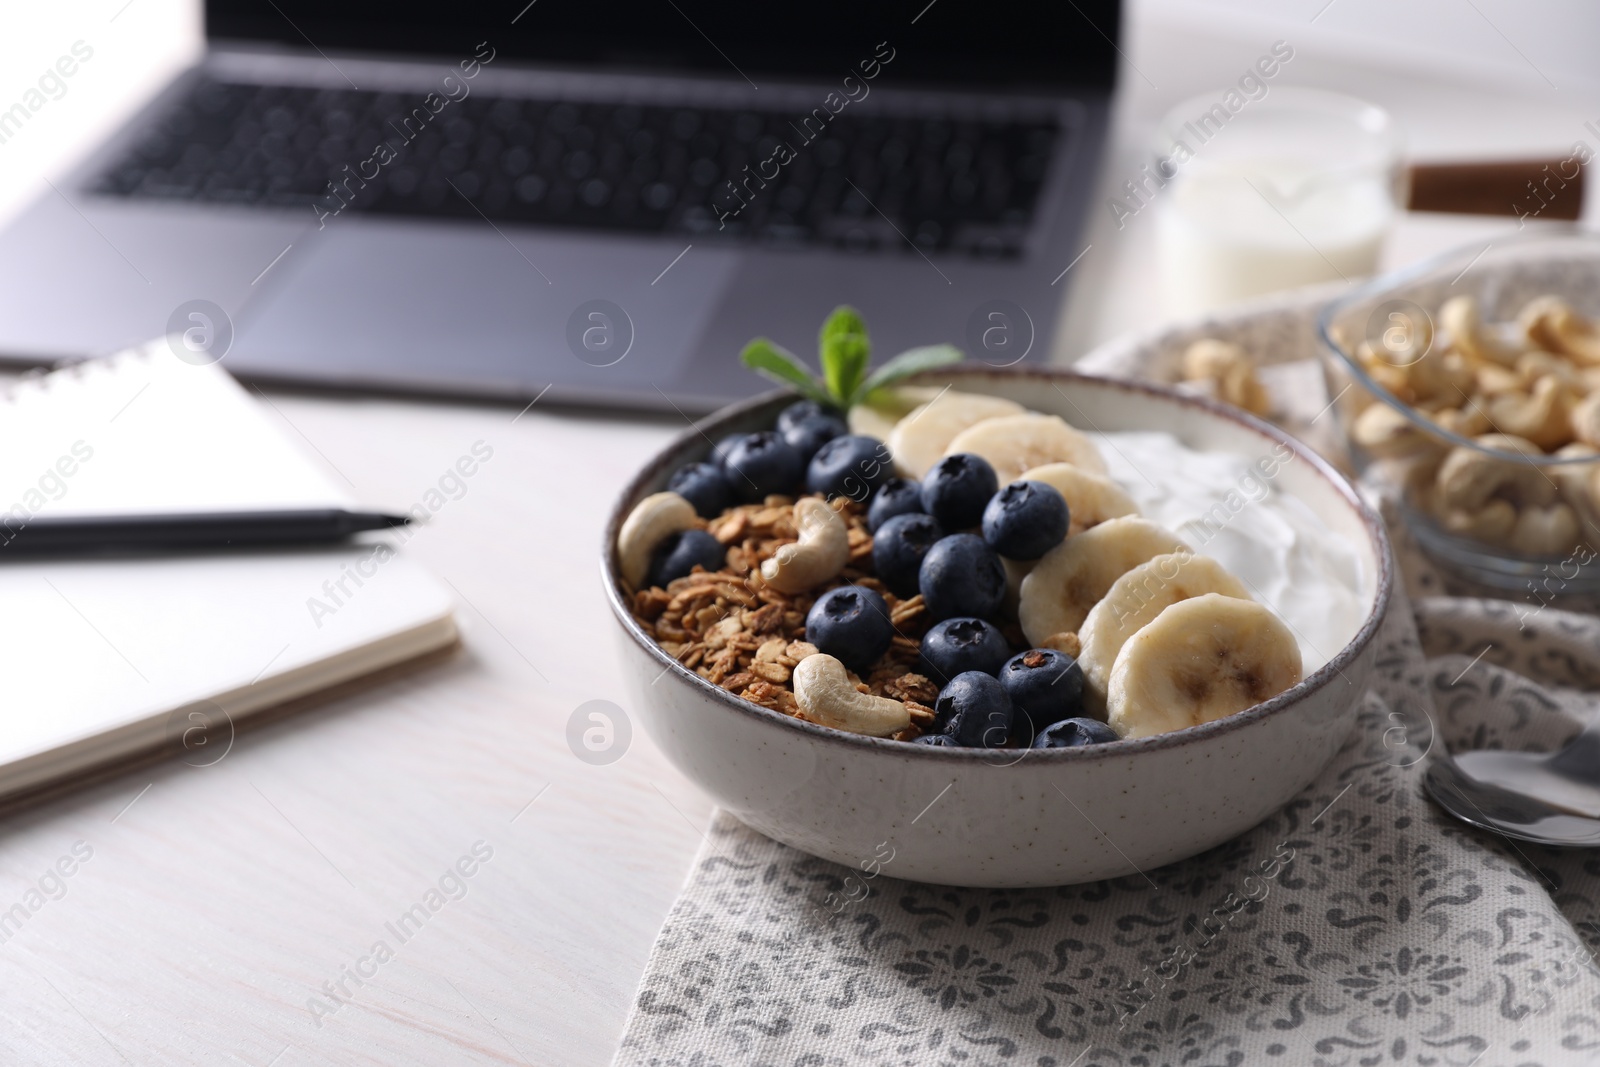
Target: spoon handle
[(1581, 758)]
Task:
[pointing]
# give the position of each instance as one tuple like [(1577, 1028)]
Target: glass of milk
[(1253, 195)]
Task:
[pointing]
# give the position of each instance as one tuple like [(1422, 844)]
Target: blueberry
[(851, 624), (800, 411), (677, 555), (1045, 686), (853, 466), (898, 548), (956, 490), (1074, 733), (724, 446), (761, 464), (956, 646), (975, 711), (1025, 520), (704, 486), (808, 435), (897, 496), (937, 741), (961, 575)]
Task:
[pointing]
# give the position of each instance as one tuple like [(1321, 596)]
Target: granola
[(735, 631)]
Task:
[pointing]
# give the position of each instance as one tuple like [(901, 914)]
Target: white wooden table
[(218, 901)]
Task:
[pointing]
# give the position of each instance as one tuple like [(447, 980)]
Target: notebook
[(111, 658)]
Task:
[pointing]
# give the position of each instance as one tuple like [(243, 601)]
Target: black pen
[(177, 530)]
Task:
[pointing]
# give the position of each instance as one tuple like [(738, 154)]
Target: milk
[(1249, 226)]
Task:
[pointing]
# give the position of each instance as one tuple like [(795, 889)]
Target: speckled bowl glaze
[(1014, 818)]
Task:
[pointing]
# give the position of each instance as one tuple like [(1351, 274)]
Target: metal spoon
[(1547, 798)]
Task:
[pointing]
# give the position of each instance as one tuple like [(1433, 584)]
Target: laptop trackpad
[(427, 304)]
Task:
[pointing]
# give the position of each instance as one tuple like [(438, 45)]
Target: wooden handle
[(1524, 188)]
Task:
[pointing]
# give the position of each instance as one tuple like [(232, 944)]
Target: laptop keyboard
[(862, 182)]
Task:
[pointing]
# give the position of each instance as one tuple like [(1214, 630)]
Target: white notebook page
[(98, 653), (146, 432)]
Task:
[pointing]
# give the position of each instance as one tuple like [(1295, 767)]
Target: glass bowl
[(1468, 387)]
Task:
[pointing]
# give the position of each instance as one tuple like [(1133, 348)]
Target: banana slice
[(1200, 659), (1091, 498), (1072, 577), (876, 416), (919, 439), (1135, 599), (1016, 443)]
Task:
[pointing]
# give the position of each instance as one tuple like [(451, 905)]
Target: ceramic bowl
[(974, 817)]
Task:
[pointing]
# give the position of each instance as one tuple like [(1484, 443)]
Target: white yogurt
[(1221, 506)]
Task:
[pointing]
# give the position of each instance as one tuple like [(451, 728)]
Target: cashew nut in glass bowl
[(1479, 410), (1502, 386)]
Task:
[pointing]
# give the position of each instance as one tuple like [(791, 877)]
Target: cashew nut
[(1449, 376), (1533, 321), (1469, 478), (1387, 433), (652, 520), (820, 554), (1493, 379), (1405, 341), (1469, 421), (826, 696), (1459, 315), (1492, 523), (1580, 484), (1577, 448), (1435, 375), (1537, 364), (1211, 358), (1571, 334), (1545, 530), (1396, 379), (1585, 418), (1229, 368), (1540, 417)]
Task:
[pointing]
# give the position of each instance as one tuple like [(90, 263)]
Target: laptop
[(581, 202)]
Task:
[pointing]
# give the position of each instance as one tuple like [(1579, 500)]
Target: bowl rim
[(1395, 279), (709, 427)]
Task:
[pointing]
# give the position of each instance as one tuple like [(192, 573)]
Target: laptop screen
[(951, 42)]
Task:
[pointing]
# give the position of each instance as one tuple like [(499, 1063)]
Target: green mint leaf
[(842, 320), (782, 366), (910, 362), (844, 351), (844, 364)]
